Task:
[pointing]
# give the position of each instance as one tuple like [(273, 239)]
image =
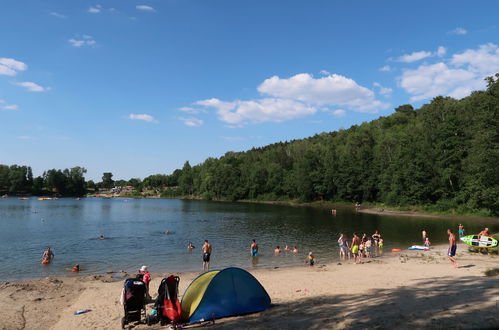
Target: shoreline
[(328, 295)]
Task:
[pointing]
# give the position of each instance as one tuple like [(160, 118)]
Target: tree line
[(446, 154)]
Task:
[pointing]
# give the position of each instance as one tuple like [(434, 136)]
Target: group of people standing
[(360, 247)]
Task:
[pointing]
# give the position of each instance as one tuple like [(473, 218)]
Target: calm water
[(134, 227)]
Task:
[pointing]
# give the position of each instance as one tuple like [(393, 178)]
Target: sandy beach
[(409, 289)]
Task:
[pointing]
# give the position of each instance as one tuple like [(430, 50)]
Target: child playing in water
[(380, 245), (310, 259), (277, 250), (295, 250)]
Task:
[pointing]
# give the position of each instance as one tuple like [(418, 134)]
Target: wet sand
[(409, 289)]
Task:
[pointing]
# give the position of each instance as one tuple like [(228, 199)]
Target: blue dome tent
[(222, 293)]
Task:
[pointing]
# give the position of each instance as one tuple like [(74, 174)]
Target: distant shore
[(408, 289)]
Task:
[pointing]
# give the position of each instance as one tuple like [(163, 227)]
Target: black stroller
[(134, 301), (167, 304)]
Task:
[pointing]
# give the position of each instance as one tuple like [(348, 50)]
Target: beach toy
[(396, 250), (75, 269), (482, 242), (45, 262), (418, 247), (82, 311)]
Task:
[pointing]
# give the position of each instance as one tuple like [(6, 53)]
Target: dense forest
[(444, 154)]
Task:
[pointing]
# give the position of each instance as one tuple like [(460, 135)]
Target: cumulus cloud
[(85, 40), (191, 121), (441, 51), (143, 117), (10, 66), (457, 77), (458, 31), (413, 57), (333, 90), (145, 8), (191, 110), (385, 68), (32, 87), (385, 91), (339, 113), (257, 111), (95, 10)]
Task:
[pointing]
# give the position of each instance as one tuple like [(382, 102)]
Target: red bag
[(172, 309)]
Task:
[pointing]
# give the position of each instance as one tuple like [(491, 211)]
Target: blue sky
[(139, 87)]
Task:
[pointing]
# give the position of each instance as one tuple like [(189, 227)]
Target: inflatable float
[(45, 262), (396, 250), (482, 242)]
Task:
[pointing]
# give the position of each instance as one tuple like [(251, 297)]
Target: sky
[(138, 87)]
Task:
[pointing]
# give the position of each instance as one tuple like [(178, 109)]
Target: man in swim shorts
[(355, 247), (451, 253), (206, 255), (254, 248)]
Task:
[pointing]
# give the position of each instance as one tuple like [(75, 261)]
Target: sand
[(406, 290)]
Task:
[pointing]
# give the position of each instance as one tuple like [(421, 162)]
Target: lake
[(135, 227)]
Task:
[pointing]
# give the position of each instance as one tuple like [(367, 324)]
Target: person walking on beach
[(254, 249), (355, 247), (451, 253), (344, 248), (48, 255), (206, 255)]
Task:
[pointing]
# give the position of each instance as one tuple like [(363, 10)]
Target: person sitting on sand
[(254, 248), (295, 250), (344, 248), (48, 255), (355, 247), (310, 259), (190, 247), (277, 250), (146, 278)]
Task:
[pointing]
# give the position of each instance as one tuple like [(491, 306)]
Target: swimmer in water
[(76, 268), (286, 248), (295, 250), (190, 246), (254, 248), (277, 250), (48, 255), (168, 232), (102, 237)]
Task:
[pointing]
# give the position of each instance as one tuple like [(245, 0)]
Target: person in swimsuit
[(376, 236), (461, 230), (254, 248), (380, 245), (206, 255), (277, 250), (423, 233), (48, 255), (310, 259), (343, 244), (368, 248), (451, 253), (355, 247), (295, 250), (190, 247)]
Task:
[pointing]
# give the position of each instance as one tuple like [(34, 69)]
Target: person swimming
[(48, 256), (190, 246), (295, 250), (277, 250), (168, 232), (76, 268)]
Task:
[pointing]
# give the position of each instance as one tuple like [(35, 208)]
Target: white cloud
[(32, 87), (143, 117), (4, 106), (86, 40), (339, 113), (10, 66), (458, 31), (325, 73), (95, 10), (257, 111), (191, 110), (191, 121), (458, 77), (413, 57), (385, 91), (58, 15), (145, 8), (333, 90), (441, 51), (385, 68)]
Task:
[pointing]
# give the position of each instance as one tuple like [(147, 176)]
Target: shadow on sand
[(471, 302)]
